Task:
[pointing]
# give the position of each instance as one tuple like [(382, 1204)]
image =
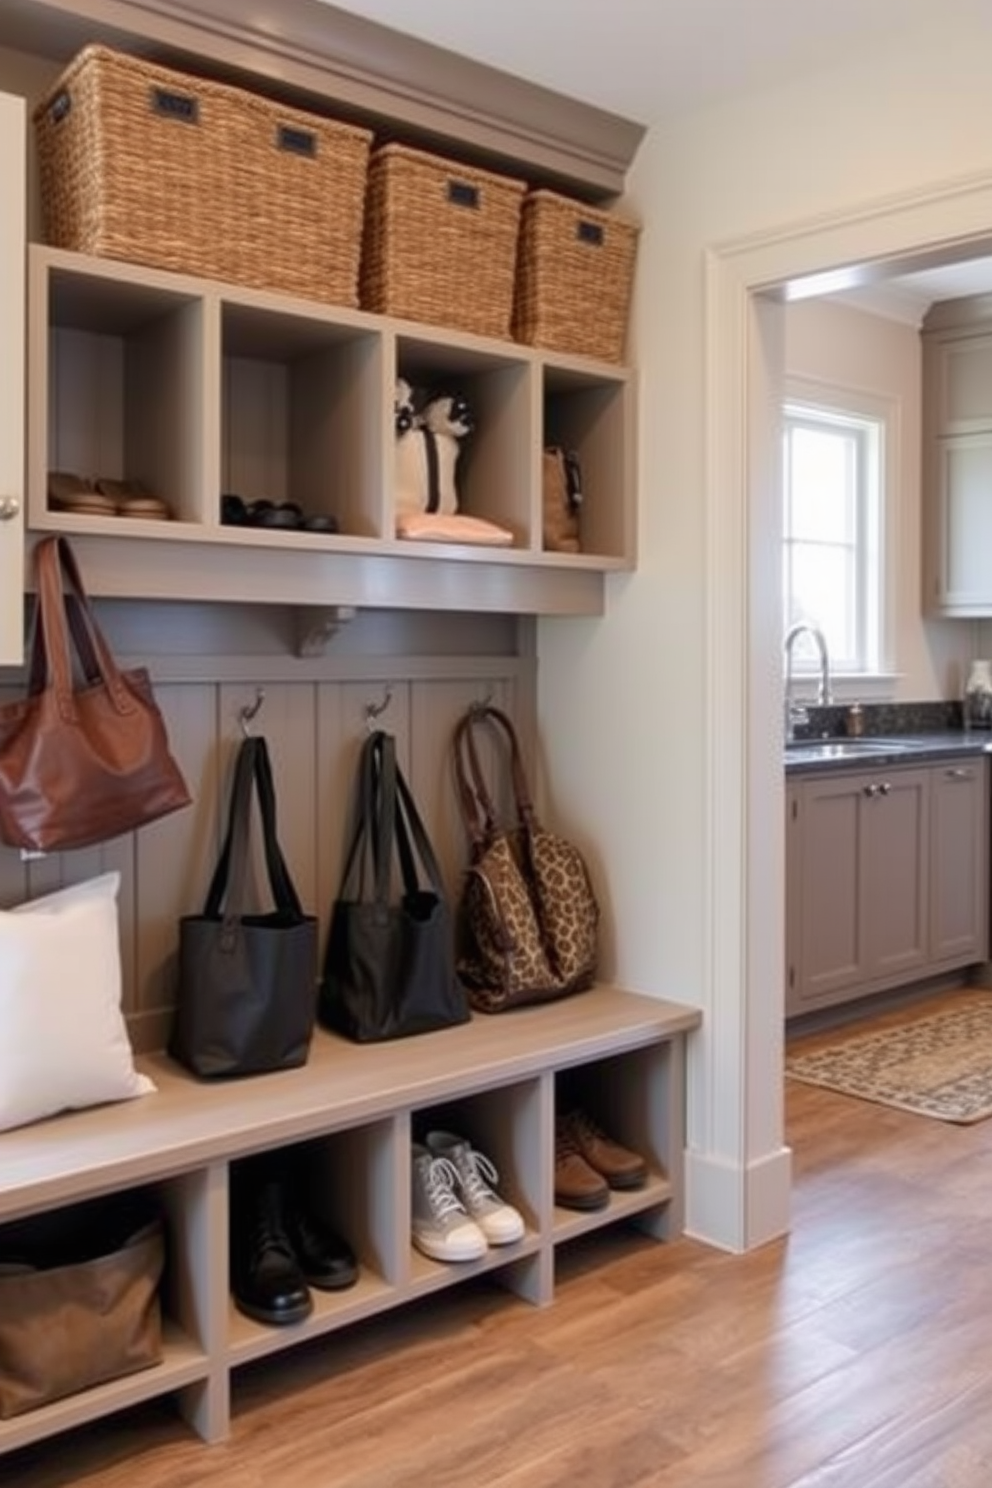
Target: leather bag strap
[(51, 665), (478, 811)]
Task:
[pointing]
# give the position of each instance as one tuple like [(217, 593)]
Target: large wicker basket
[(575, 270), (440, 241), (142, 163)]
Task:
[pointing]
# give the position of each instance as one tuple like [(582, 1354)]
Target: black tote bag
[(247, 981), (389, 964)]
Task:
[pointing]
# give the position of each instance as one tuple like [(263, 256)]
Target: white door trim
[(738, 1167)]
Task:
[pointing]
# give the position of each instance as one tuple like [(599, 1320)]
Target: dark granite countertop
[(806, 756)]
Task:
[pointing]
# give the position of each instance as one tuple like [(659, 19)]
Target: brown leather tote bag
[(80, 760), (79, 1300), (528, 916)]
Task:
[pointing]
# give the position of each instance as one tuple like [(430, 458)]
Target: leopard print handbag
[(528, 916)]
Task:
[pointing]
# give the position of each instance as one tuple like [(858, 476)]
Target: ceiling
[(650, 60)]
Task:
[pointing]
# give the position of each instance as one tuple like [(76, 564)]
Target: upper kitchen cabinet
[(957, 456), (210, 397), (12, 231)]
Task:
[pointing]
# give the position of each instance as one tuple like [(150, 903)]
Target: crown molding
[(316, 55)]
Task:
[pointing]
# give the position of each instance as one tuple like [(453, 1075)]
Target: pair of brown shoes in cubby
[(588, 1163), (103, 497)]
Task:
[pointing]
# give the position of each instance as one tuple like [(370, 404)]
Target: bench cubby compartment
[(509, 1125), (352, 1184), (185, 1367), (630, 1098)]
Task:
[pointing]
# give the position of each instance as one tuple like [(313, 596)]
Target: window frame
[(858, 405)]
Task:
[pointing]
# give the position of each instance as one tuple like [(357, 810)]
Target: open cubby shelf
[(196, 389), (356, 1107)]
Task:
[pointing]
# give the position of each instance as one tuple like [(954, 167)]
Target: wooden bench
[(493, 1079)]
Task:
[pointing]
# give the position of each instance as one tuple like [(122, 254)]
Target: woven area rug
[(936, 1066)]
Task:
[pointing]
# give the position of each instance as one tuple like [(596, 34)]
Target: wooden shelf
[(198, 389), (356, 1107), (182, 1364)]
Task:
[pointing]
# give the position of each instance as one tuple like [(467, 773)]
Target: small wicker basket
[(142, 163), (440, 241), (575, 270)]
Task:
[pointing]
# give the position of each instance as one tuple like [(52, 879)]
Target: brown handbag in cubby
[(562, 500), (528, 916)]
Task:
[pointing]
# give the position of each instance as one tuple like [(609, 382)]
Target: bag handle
[(227, 886), (51, 666), (371, 831), (386, 817), (478, 811)]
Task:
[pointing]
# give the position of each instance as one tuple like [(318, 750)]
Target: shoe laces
[(565, 1144), (442, 1175), (268, 1230), (582, 1127), (478, 1177)]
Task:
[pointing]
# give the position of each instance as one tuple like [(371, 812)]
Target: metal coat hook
[(250, 711), (374, 711)]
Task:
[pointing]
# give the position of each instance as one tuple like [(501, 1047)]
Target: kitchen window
[(833, 488)]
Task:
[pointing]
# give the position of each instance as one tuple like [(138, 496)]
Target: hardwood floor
[(855, 1354)]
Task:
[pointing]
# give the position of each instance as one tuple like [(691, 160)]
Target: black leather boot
[(266, 1281), (326, 1260)]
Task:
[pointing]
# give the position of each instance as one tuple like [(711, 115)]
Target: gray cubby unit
[(198, 389), (357, 1107)]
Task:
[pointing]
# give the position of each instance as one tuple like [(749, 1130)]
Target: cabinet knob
[(9, 507), (885, 787), (870, 790), (958, 773)]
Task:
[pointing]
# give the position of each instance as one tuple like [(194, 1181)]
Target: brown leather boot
[(577, 1185), (620, 1167)]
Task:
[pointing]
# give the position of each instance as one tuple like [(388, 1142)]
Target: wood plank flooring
[(855, 1354)]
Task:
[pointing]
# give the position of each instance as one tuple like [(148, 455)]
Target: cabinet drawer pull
[(9, 507), (958, 773)]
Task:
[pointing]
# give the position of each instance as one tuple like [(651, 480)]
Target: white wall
[(627, 710), (827, 342)]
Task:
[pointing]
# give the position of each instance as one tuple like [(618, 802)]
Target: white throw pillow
[(63, 1040)]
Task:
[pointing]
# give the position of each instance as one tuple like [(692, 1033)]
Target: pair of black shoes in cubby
[(235, 511), (280, 1247)]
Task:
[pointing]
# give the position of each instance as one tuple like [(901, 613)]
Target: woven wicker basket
[(575, 270), (440, 241), (142, 163)]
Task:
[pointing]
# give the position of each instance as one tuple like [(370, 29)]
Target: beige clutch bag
[(456, 528)]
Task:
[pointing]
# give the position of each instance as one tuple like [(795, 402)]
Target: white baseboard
[(737, 1208)]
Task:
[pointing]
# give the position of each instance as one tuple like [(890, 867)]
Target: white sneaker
[(499, 1222), (440, 1224)]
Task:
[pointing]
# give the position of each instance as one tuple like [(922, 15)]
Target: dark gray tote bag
[(247, 996), (389, 966)]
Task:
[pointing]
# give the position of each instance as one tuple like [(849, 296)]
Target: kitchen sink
[(849, 748)]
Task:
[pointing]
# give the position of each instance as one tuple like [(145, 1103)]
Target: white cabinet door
[(12, 240)]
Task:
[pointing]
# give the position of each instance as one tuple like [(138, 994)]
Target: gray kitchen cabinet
[(957, 456), (863, 911), (959, 862)]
